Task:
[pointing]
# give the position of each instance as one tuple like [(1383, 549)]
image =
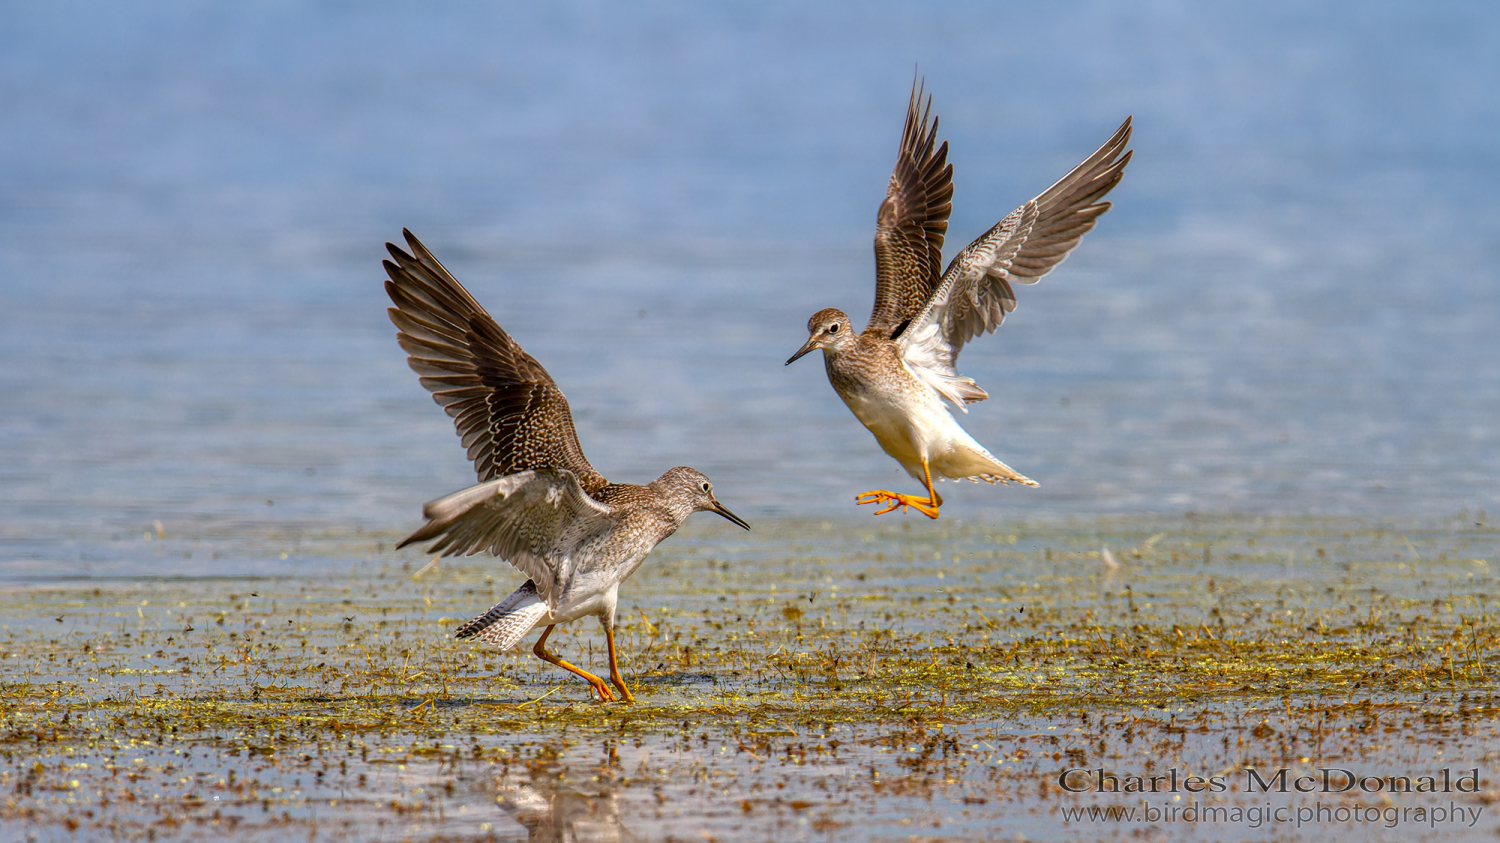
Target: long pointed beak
[(811, 344), (724, 511)]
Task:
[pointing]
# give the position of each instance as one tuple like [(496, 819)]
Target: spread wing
[(911, 223), (536, 520), (975, 291), (509, 414)]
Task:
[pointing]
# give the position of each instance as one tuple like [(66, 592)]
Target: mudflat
[(1060, 680)]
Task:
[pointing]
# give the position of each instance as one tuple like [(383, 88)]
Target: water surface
[(1289, 310)]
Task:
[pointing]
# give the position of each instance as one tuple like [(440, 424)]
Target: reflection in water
[(564, 814)]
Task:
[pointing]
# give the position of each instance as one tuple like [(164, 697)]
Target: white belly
[(585, 597), (893, 429), (915, 425), (595, 591), (908, 427)]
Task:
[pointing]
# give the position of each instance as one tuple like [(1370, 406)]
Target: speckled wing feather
[(926, 345), (911, 223), (542, 522), (975, 291), (982, 274), (509, 413)]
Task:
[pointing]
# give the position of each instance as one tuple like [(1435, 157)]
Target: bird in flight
[(539, 504), (895, 373)]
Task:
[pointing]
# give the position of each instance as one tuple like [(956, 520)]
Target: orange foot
[(605, 694), (926, 506)]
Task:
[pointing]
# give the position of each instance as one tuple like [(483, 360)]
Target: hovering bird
[(539, 504), (895, 374)]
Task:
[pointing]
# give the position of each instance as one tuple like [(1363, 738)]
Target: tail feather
[(508, 621), (1002, 473), (974, 463)]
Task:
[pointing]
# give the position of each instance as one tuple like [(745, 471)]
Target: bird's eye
[(704, 486), (834, 328)]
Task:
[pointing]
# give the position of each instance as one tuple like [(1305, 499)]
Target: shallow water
[(813, 684)]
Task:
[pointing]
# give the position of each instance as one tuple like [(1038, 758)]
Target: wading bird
[(895, 374), (539, 504)]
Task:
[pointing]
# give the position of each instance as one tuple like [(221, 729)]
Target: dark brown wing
[(510, 415), (912, 221)]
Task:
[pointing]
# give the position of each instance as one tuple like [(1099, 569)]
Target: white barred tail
[(508, 621)]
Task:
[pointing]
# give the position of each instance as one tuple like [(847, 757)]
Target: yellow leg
[(614, 667), (928, 506), (594, 682)]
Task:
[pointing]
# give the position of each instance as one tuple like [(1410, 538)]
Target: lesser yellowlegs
[(895, 374), (539, 504)]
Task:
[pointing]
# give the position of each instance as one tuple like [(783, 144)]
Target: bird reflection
[(565, 816)]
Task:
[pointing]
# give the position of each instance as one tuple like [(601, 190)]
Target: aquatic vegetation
[(944, 674)]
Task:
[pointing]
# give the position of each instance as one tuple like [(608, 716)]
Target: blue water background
[(1292, 308)]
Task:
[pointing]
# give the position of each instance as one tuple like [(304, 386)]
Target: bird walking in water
[(539, 504), (895, 374)]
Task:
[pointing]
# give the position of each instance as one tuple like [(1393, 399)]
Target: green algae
[(920, 673)]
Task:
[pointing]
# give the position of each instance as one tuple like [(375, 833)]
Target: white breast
[(909, 423)]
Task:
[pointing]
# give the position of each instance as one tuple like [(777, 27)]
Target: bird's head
[(828, 329), (698, 491)]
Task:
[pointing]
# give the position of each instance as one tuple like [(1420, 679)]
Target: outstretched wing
[(537, 521), (927, 345), (975, 291), (911, 223), (509, 413), (1066, 211)]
